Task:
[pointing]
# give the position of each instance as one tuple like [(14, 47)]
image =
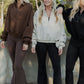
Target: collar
[(15, 3)]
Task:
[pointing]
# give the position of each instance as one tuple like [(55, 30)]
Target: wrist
[(33, 46), (60, 47)]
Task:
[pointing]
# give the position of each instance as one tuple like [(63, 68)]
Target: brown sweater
[(19, 22)]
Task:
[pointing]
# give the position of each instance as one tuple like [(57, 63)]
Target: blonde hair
[(75, 9), (41, 10)]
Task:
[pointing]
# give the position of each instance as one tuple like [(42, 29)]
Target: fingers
[(2, 44), (60, 51), (33, 50), (25, 47)]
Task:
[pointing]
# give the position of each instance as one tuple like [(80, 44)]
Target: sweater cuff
[(27, 40), (3, 39), (33, 46), (60, 47), (34, 43)]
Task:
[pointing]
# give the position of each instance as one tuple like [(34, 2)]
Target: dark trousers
[(72, 54), (17, 55), (42, 49)]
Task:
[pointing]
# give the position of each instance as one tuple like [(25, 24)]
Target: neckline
[(46, 12), (15, 3)]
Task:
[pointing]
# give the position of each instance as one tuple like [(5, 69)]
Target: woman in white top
[(48, 36)]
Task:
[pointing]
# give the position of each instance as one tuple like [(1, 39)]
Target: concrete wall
[(30, 66)]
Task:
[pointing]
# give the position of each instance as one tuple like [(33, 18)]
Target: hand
[(60, 51), (25, 47), (59, 10), (3, 44), (33, 50)]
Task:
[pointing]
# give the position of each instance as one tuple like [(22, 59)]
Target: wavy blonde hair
[(75, 9), (41, 10)]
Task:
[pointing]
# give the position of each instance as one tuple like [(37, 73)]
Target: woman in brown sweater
[(17, 33)]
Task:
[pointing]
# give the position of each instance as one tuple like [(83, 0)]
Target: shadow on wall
[(31, 67)]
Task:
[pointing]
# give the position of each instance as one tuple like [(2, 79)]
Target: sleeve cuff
[(33, 46), (60, 47), (34, 43), (3, 39), (27, 40)]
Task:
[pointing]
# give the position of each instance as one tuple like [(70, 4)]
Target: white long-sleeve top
[(49, 31)]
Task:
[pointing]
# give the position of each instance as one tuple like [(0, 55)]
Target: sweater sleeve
[(34, 38), (62, 38), (66, 12), (7, 23), (27, 35)]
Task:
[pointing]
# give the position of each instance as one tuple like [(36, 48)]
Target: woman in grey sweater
[(48, 36)]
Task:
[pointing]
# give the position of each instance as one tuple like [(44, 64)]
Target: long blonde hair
[(75, 9), (41, 10)]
